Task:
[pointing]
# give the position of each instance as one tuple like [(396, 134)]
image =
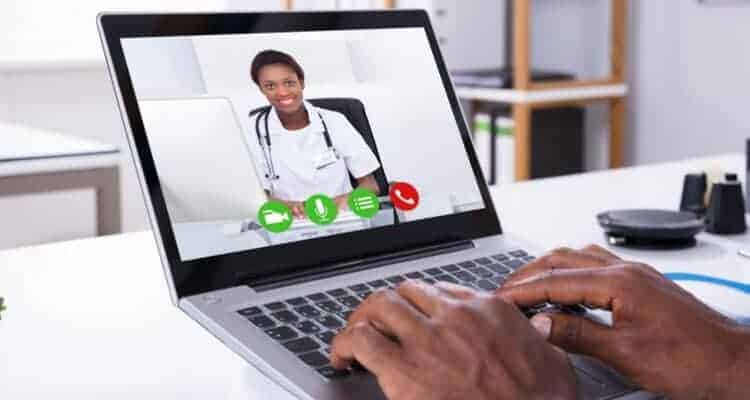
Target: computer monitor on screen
[(205, 170)]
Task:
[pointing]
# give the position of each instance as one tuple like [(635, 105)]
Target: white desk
[(91, 319), (35, 160)]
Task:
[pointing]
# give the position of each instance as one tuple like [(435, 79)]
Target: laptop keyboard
[(307, 325)]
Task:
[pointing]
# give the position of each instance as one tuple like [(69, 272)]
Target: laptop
[(279, 303)]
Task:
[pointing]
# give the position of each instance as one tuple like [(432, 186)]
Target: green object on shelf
[(2, 307)]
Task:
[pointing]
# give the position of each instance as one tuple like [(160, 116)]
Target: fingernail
[(543, 325)]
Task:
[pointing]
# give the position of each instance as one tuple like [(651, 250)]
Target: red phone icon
[(404, 196)]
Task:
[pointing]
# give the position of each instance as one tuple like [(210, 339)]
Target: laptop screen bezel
[(246, 267)]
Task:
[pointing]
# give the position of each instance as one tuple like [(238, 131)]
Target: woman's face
[(282, 87)]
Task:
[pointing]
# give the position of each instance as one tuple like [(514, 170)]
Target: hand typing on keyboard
[(450, 342), (661, 337)]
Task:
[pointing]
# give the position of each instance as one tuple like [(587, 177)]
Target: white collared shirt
[(296, 156)]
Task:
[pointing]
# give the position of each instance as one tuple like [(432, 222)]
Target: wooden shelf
[(43, 65), (542, 96), (528, 95)]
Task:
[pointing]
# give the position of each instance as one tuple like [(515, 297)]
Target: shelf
[(512, 96), (40, 65)]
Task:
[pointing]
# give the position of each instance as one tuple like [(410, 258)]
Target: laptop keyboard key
[(282, 333), (332, 373), (338, 292), (446, 278), (429, 281), (465, 276), (395, 279), (483, 261), (450, 268), (363, 295), (467, 264), (433, 271), (378, 284), (414, 275), (297, 301), (350, 301), (250, 311), (498, 279), (307, 326), (285, 316), (330, 306), (501, 257), (486, 285), (314, 359), (529, 259), (317, 297), (308, 311), (359, 288), (519, 253), (326, 337), (262, 321), (500, 269), (514, 264), (275, 306), (483, 272), (329, 321), (301, 345)]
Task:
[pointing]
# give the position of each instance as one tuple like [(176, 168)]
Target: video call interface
[(265, 139)]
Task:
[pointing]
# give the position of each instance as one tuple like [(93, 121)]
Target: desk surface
[(114, 334), (25, 150)]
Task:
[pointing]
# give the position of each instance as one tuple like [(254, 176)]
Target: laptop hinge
[(276, 282)]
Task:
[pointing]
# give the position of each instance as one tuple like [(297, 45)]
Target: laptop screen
[(266, 139)]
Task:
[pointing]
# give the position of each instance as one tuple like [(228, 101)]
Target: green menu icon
[(364, 203)]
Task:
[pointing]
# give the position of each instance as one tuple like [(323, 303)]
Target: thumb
[(575, 334)]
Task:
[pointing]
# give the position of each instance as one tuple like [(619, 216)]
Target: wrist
[(731, 378)]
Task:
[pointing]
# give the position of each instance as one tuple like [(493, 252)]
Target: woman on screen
[(305, 149)]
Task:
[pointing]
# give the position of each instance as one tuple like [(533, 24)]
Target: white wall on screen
[(225, 60), (406, 106), (164, 67)]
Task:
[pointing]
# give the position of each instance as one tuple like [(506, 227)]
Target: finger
[(456, 291), (599, 251), (562, 258), (428, 299), (391, 314), (364, 343), (576, 334), (597, 287)]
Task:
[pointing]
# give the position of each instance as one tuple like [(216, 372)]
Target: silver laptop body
[(223, 292)]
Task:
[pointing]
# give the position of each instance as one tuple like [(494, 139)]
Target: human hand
[(448, 342), (342, 201), (297, 207), (662, 337)]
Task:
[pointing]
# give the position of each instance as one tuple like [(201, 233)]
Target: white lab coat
[(297, 154)]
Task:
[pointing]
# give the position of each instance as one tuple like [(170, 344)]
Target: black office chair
[(354, 111)]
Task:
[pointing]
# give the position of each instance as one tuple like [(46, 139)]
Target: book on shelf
[(495, 147), (501, 78)]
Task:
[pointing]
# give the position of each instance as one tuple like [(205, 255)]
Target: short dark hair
[(268, 57)]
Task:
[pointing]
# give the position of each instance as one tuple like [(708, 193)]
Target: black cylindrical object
[(726, 208), (693, 194)]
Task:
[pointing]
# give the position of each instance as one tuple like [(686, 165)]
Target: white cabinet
[(471, 32)]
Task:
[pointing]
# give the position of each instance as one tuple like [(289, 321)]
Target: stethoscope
[(265, 144)]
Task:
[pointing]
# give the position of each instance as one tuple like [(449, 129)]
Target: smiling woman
[(306, 150)]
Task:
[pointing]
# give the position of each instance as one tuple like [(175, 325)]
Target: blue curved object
[(742, 287), (683, 276)]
